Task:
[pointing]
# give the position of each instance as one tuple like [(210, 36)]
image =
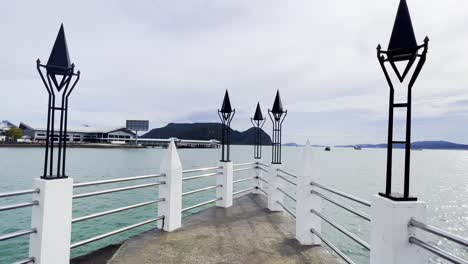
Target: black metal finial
[(402, 47), (258, 121), (57, 80), (225, 115), (277, 116)]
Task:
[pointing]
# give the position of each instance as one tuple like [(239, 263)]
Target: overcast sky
[(171, 61)]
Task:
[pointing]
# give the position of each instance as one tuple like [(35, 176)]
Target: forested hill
[(206, 131)]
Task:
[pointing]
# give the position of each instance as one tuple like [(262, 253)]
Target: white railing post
[(52, 218), (274, 195), (305, 220), (390, 232), (257, 182), (225, 178), (171, 208)]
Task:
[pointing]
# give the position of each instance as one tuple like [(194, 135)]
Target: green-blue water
[(439, 177)]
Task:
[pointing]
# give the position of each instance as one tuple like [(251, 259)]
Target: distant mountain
[(291, 144), (415, 145), (206, 131)]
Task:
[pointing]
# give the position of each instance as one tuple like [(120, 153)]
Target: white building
[(85, 134)]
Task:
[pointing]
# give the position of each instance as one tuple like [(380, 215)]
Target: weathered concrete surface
[(245, 233)]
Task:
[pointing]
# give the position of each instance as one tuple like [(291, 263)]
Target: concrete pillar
[(390, 233), (257, 182), (171, 208), (305, 220), (225, 179), (52, 218), (273, 194)]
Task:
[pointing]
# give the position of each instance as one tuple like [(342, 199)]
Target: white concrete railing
[(394, 238), (50, 235)]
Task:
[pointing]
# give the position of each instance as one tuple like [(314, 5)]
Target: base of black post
[(398, 197)]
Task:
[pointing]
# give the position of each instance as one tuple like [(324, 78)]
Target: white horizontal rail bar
[(263, 164), (435, 250), (243, 169), (84, 184), (91, 216), (286, 179), (243, 191), (201, 169), (201, 176), (439, 232), (25, 261), (245, 164), (287, 194), (260, 178), (16, 206), (201, 204), (83, 242), (16, 193), (242, 180), (18, 234), (202, 189), (287, 173), (286, 209), (83, 195), (263, 191), (342, 194), (333, 247), (347, 208), (342, 229)]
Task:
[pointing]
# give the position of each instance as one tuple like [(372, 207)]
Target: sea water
[(438, 177)]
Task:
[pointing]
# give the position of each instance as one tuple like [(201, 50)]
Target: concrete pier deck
[(246, 233)]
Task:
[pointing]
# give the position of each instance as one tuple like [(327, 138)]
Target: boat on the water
[(357, 147), (327, 148)]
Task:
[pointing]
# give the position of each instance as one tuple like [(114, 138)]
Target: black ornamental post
[(402, 49), (59, 80), (258, 121), (225, 115), (277, 115)]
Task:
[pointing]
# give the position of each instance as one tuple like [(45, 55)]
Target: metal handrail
[(285, 193), (202, 189), (435, 250), (202, 169), (91, 216), (291, 182), (86, 241), (243, 169), (201, 204), (201, 176), (242, 180), (243, 191), (134, 178), (342, 194), (260, 189), (347, 208), (342, 229), (20, 205), (18, 234), (333, 247), (245, 164), (260, 178), (263, 164), (83, 195), (25, 261), (436, 231), (287, 173), (16, 193), (260, 168), (286, 209)]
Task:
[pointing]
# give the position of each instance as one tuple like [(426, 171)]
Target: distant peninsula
[(206, 131), (416, 145)]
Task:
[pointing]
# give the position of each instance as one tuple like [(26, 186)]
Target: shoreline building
[(85, 134)]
